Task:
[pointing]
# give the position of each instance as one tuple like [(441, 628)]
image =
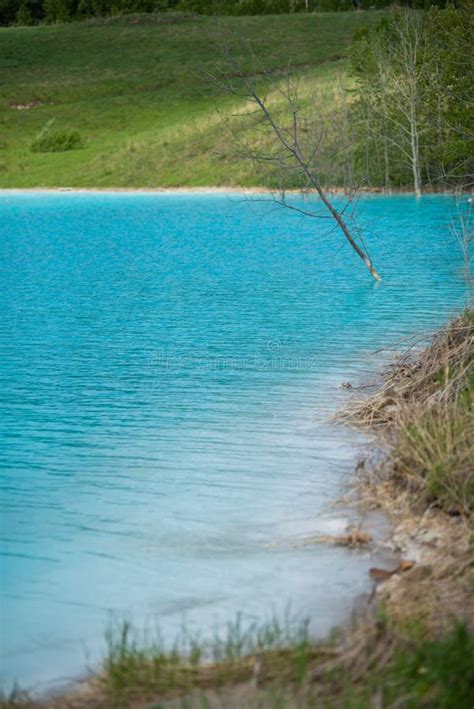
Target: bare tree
[(463, 231), (398, 78), (291, 140), (406, 83)]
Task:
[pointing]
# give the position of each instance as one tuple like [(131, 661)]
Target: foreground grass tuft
[(142, 666), (435, 673), (435, 453), (369, 666)]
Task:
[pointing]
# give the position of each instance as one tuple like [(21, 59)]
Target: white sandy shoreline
[(248, 191), (145, 190)]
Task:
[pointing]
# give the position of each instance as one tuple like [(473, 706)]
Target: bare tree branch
[(291, 154)]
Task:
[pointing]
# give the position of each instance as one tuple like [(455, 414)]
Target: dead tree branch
[(290, 153)]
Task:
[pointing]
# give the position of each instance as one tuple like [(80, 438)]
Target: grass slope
[(135, 88)]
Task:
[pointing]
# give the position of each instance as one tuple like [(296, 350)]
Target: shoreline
[(412, 606), (218, 191)]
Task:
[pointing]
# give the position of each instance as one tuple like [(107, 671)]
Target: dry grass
[(424, 411), (434, 455), (355, 538), (424, 414), (438, 374)]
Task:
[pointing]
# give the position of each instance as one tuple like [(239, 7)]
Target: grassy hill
[(136, 90)]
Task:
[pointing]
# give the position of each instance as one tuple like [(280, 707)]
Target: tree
[(24, 16), (392, 71), (450, 93), (288, 143), (56, 10), (413, 90)]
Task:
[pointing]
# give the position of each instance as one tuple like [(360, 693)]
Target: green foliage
[(435, 444), (263, 7), (54, 10), (24, 16), (8, 11), (434, 673), (55, 140), (450, 89), (413, 89), (152, 113), (423, 674), (144, 665), (437, 447)]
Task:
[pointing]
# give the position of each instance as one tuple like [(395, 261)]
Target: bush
[(438, 673), (56, 140), (24, 16), (56, 11)]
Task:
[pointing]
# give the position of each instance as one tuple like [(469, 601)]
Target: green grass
[(270, 666), (135, 89), (435, 448), (425, 672), (138, 665)]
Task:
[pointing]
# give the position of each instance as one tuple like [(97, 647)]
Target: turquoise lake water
[(168, 366)]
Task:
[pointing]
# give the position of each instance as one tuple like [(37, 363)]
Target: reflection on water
[(168, 366)]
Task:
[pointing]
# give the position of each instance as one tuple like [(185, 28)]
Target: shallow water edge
[(167, 385)]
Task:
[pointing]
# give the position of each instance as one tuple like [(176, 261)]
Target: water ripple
[(165, 385)]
